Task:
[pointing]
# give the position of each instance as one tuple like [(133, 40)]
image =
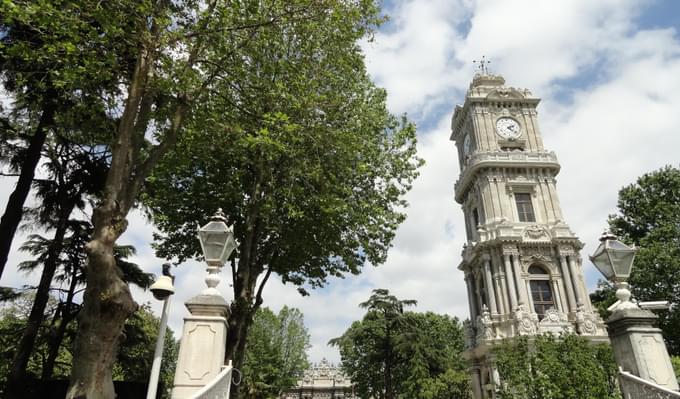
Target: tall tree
[(72, 173), (298, 149), (391, 353), (276, 353), (60, 62), (648, 217), (565, 367)]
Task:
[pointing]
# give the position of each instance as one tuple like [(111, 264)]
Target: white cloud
[(619, 121)]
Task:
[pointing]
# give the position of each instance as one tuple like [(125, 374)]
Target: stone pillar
[(568, 287), (511, 285), (575, 280), (489, 285), (202, 348), (559, 301), (639, 347), (476, 383), (521, 288), (472, 300)]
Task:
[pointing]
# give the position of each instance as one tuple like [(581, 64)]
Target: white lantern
[(613, 258), (217, 240)]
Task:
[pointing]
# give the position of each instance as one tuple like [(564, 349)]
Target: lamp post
[(162, 289), (638, 345), (204, 335), (217, 243), (614, 260)]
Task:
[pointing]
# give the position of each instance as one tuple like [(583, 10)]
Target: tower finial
[(482, 65)]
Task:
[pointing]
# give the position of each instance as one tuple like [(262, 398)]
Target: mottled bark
[(15, 204), (107, 303)]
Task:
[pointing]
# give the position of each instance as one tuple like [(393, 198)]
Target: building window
[(475, 218), (541, 293), (525, 209)]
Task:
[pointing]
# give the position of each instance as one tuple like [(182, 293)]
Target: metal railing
[(634, 387), (219, 387)]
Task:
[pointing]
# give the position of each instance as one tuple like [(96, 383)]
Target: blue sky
[(608, 72)]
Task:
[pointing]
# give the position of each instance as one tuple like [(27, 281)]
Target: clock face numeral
[(508, 128)]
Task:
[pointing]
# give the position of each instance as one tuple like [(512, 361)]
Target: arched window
[(541, 293)]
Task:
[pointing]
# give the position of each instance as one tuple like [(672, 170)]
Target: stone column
[(521, 288), (559, 301), (568, 287), (478, 291), (575, 280), (500, 296), (639, 347), (472, 300), (202, 348), (476, 383), (510, 281), (489, 285)]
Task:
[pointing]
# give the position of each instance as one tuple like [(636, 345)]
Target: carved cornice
[(502, 159)]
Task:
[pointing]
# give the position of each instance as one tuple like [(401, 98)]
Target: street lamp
[(614, 260), (217, 243), (162, 289)]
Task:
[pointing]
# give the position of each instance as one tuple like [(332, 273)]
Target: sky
[(608, 73)]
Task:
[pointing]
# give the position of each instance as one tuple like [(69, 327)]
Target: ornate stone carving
[(536, 233), (554, 322), (526, 322), (484, 323), (586, 322), (509, 249), (565, 250)]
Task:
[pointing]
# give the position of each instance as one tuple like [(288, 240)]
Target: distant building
[(322, 381)]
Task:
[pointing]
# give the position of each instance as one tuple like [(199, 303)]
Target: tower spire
[(482, 65)]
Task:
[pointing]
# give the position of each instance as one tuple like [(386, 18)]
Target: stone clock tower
[(521, 261)]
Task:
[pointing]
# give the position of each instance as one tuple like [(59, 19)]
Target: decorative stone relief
[(526, 322), (536, 233), (554, 322), (586, 322), (484, 323)]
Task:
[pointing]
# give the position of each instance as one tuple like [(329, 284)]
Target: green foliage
[(276, 353), (137, 347), (391, 353), (564, 367), (648, 215), (675, 360), (300, 153)]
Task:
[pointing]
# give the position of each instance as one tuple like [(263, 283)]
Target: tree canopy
[(649, 217), (298, 149), (275, 355), (559, 367), (392, 353)]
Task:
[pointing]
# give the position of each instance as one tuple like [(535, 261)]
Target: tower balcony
[(502, 159)]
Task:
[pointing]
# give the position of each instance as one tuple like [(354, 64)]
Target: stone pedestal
[(201, 351), (639, 347)]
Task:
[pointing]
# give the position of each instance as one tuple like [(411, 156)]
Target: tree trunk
[(55, 341), (17, 372), (107, 303), (15, 205)]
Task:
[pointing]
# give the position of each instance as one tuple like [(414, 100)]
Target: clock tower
[(521, 261)]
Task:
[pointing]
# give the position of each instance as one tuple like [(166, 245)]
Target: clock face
[(466, 144), (508, 128)]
